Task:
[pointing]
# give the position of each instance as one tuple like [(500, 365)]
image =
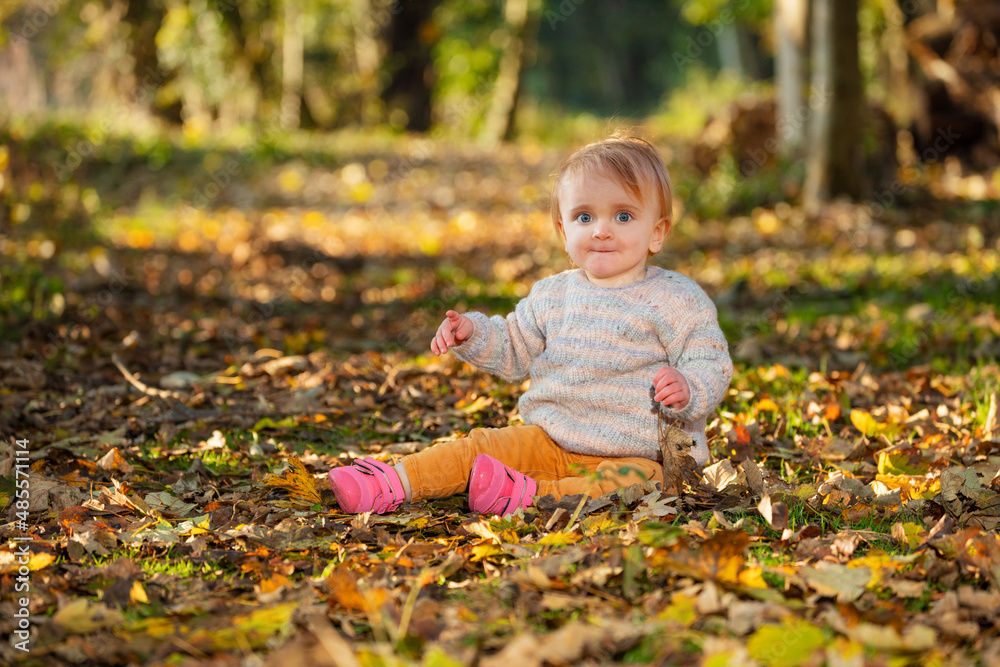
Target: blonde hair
[(630, 160)]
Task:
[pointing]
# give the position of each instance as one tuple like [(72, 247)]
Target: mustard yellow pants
[(443, 469)]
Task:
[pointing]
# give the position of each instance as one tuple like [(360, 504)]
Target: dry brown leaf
[(755, 479), (722, 474), (675, 448), (776, 514), (300, 484), (720, 557), (113, 461)]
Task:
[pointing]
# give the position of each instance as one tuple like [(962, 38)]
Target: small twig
[(411, 602), (144, 388)]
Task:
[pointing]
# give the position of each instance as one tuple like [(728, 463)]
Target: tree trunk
[(410, 36), (291, 65), (896, 67), (834, 165), (367, 57), (730, 54), (521, 19), (790, 36), (144, 20), (22, 81)]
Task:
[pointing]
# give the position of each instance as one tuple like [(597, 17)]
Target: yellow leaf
[(195, 526), (300, 484), (81, 617), (11, 564), (864, 422), (138, 593), (912, 486), (560, 539), (682, 609), (752, 577), (481, 551), (898, 463), (878, 562), (253, 629), (768, 405), (909, 533), (436, 657), (788, 645)]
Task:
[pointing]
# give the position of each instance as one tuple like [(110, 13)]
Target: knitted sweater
[(592, 353)]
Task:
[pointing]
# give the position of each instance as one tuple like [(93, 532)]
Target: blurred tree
[(834, 166), (615, 57), (144, 18), (790, 21), (410, 37), (22, 84), (252, 29), (368, 57), (521, 30), (735, 26), (291, 64)]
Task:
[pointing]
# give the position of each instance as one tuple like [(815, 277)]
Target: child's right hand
[(453, 331)]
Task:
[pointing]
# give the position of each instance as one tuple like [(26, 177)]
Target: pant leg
[(443, 469), (613, 474)]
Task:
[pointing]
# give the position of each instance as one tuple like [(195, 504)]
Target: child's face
[(608, 231)]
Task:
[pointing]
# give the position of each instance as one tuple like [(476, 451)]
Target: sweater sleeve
[(703, 361), (504, 346)]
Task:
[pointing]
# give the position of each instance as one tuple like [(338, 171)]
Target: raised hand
[(453, 331), (672, 390)]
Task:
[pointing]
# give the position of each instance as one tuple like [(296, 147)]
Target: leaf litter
[(179, 510)]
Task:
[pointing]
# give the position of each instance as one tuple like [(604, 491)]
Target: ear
[(562, 231), (659, 233)]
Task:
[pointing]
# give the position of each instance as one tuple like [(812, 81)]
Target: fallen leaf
[(114, 462), (833, 579), (81, 617), (300, 484), (164, 501), (722, 474), (755, 479), (915, 637), (787, 645), (776, 514)]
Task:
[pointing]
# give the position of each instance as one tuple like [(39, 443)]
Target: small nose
[(602, 230)]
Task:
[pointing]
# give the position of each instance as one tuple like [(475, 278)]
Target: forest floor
[(277, 306)]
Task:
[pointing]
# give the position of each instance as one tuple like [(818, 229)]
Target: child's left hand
[(672, 389)]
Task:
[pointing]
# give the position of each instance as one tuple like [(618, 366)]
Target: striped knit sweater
[(592, 353)]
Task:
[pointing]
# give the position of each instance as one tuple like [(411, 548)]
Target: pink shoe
[(495, 488), (367, 486)]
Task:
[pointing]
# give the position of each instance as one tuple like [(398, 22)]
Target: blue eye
[(623, 217), (584, 217)]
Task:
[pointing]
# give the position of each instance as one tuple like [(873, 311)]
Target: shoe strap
[(388, 481), (516, 497)]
